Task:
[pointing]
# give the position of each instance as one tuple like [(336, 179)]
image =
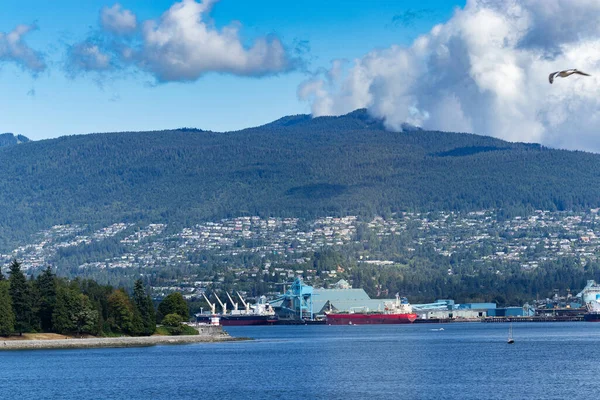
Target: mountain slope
[(296, 166), (10, 139)]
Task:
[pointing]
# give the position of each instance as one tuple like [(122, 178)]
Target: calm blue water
[(465, 361)]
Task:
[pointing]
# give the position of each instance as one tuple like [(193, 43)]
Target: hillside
[(10, 139), (295, 166)]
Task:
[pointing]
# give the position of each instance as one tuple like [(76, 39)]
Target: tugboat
[(396, 312), (260, 313)]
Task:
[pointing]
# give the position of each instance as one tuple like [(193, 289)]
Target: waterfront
[(208, 334), (464, 361)]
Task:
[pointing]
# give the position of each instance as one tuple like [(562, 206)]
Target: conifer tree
[(62, 321), (143, 303), (46, 283), (21, 301), (35, 300), (74, 313), (7, 316)]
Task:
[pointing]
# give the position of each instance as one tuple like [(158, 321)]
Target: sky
[(479, 66)]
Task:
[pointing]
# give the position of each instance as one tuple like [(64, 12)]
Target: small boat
[(510, 335)]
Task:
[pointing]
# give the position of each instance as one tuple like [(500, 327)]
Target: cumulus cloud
[(14, 49), (184, 44), (484, 71), (117, 20), (87, 57)]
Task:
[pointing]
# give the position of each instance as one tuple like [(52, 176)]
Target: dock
[(537, 318)]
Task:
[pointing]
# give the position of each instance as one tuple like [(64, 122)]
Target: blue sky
[(125, 95)]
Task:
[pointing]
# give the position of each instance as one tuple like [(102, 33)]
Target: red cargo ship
[(397, 312)]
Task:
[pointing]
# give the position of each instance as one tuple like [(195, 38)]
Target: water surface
[(464, 361)]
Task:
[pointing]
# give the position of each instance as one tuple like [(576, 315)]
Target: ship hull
[(591, 317), (241, 320), (370, 319)]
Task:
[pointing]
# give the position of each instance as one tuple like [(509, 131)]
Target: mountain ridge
[(10, 139), (347, 165)]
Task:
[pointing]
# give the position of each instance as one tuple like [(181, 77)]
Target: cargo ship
[(260, 313), (593, 311), (590, 296), (395, 312)]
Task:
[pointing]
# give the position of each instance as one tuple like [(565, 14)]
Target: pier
[(537, 318)]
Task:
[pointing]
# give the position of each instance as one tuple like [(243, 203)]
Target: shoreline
[(114, 342)]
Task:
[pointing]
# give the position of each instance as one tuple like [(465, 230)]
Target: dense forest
[(9, 139), (296, 166), (81, 307)]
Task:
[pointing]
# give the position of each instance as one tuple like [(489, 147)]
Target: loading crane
[(235, 305), (246, 305), (223, 305), (211, 305)]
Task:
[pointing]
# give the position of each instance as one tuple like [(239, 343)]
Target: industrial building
[(303, 302)]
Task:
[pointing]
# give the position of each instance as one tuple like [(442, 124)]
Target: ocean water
[(464, 361)]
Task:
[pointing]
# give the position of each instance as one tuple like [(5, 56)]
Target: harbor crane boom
[(246, 305), (235, 305), (211, 305), (223, 305)]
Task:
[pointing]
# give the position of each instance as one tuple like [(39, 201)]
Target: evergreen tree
[(1, 276), (21, 301), (7, 317), (174, 303), (143, 303), (35, 300), (74, 313), (122, 316), (46, 283), (61, 314)]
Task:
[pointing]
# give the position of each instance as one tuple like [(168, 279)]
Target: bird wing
[(551, 76), (580, 73)]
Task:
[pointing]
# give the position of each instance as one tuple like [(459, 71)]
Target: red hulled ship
[(395, 312)]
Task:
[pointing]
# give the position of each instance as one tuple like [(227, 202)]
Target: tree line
[(47, 303)]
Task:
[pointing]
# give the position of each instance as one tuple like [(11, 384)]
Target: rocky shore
[(207, 335)]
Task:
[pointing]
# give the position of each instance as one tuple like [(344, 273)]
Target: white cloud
[(14, 49), (184, 44), (483, 71), (117, 20), (87, 57)]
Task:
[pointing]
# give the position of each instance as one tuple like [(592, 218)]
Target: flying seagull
[(565, 73)]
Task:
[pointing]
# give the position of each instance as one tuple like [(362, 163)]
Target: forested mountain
[(9, 139), (295, 166)]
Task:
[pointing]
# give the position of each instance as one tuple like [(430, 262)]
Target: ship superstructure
[(590, 297), (395, 312)]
